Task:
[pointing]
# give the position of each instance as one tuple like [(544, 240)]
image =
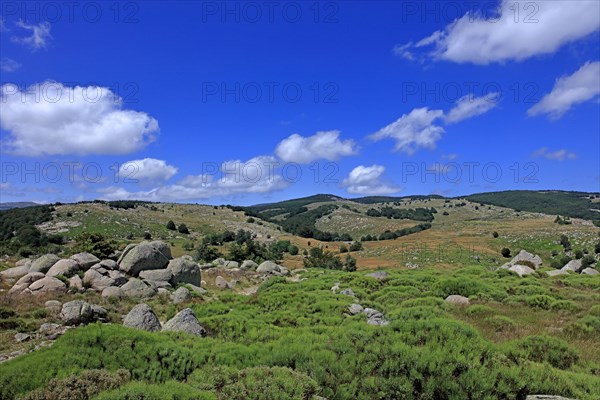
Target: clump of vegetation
[(171, 226), (95, 244), (182, 228), (554, 351), (317, 258), (505, 252)]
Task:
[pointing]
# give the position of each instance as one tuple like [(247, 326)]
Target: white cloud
[(539, 27), (570, 90), (9, 65), (40, 35), (53, 119), (413, 131), (147, 170), (469, 106), (257, 175), (558, 155), (367, 181), (322, 145), (420, 129)]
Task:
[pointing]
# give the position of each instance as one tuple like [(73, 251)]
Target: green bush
[(461, 286), (501, 324), (554, 351), (540, 301), (479, 309), (565, 305), (166, 391)]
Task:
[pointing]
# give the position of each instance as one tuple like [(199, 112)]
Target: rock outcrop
[(185, 321), (142, 317), (144, 256)]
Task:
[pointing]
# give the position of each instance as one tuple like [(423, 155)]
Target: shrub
[(350, 263), (171, 226), (293, 249), (171, 390), (182, 228), (505, 252), (495, 235), (250, 220), (578, 254), (501, 324), (565, 305), (356, 246), (207, 253), (343, 249), (96, 244), (554, 351), (540, 301), (461, 286), (479, 309), (147, 236), (318, 258)]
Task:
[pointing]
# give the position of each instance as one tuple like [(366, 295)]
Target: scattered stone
[(142, 317), (98, 312), (348, 292), (144, 256), (231, 264), (75, 283), (375, 317), (521, 270), (109, 264), (590, 271), (66, 268), (181, 295), (113, 292), (44, 263), (268, 267), (249, 264), (51, 329), (457, 300), (53, 306), (573, 265), (157, 275), (219, 262), (24, 282), (85, 260), (378, 275), (556, 272), (185, 321), (525, 256), (355, 309), (139, 289), (221, 283), (184, 270), (99, 278), (15, 273), (46, 285), (197, 289), (76, 312), (335, 287), (410, 265), (22, 337)]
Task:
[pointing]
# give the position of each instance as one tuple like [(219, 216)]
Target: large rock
[(24, 282), (249, 264), (268, 267), (457, 300), (113, 292), (221, 283), (184, 271), (99, 278), (348, 292), (65, 268), (46, 285), (157, 275), (573, 266), (590, 271), (525, 258), (139, 289), (85, 260), (375, 317), (15, 273), (378, 275), (75, 284), (145, 256), (231, 264), (355, 309), (142, 317), (79, 312), (185, 321), (181, 295), (556, 272), (109, 264), (521, 270), (44, 263)]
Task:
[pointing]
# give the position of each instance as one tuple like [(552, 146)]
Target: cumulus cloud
[(469, 106), (147, 170), (257, 175), (40, 35), (324, 145), (53, 119), (367, 181), (558, 155), (581, 86), (516, 31), (9, 65), (421, 127)]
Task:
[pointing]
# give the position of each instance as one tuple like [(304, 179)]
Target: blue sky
[(248, 102)]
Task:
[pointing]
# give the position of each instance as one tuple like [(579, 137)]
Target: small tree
[(597, 248), (250, 220), (343, 249), (147, 236), (350, 263), (495, 235), (293, 249), (207, 253), (356, 246), (171, 226), (183, 229), (578, 254), (587, 261), (505, 252)]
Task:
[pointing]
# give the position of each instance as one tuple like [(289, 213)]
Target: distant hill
[(388, 199), (18, 204), (553, 202)]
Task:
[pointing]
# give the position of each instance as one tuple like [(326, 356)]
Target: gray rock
[(375, 317), (184, 271), (157, 275), (185, 321), (15, 273), (378, 275), (348, 292), (113, 292), (54, 306), (457, 300), (283, 270), (249, 264), (590, 271), (355, 309), (47, 285), (197, 289), (142, 317), (23, 261), (525, 256), (76, 312), (85, 260), (65, 268), (22, 337), (181, 295), (268, 267), (221, 283), (139, 289), (99, 278), (231, 264), (219, 262), (51, 329), (521, 270), (109, 264), (75, 283), (44, 263), (23, 283), (573, 265), (145, 256), (556, 272), (98, 312)]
